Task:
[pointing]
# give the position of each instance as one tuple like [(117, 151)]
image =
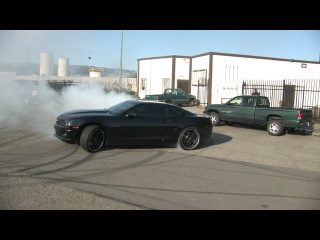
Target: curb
[(317, 134)]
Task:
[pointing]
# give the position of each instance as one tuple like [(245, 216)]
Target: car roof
[(138, 101)]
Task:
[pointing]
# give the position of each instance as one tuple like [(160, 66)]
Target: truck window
[(236, 101), (249, 102), (263, 102)]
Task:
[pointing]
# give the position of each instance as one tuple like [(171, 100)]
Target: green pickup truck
[(174, 96), (256, 110)]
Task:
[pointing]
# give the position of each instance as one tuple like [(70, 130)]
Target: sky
[(115, 48)]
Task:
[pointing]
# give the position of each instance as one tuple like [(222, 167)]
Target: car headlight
[(67, 123), (63, 122)]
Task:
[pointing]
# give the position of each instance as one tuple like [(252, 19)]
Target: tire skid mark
[(18, 139), (72, 165), (142, 163), (48, 163)]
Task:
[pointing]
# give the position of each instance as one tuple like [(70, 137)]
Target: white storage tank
[(63, 67), (95, 72), (46, 64)]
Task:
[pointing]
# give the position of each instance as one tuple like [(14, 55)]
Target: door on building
[(289, 96), (165, 84), (184, 85), (199, 79)]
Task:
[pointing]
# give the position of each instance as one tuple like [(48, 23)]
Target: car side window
[(140, 111), (156, 111), (150, 111), (171, 112)]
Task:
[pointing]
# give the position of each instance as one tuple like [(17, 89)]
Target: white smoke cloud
[(46, 104)]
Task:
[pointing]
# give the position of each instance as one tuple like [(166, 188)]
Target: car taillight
[(299, 116), (158, 98)]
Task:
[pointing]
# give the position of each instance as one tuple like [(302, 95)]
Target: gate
[(199, 79), (288, 93)]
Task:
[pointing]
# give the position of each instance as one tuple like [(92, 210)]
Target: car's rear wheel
[(275, 128), (191, 102), (92, 138), (189, 138)]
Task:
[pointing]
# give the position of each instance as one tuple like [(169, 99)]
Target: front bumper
[(66, 134)]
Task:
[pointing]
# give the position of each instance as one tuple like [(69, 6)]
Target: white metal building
[(95, 71), (214, 77)]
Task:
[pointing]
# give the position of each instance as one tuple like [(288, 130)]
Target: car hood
[(84, 112), (214, 105)]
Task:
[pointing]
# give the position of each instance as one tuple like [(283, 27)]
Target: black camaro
[(134, 122)]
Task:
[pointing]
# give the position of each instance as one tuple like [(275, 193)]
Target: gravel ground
[(26, 193)]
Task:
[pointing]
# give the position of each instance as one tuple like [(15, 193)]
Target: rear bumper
[(305, 126)]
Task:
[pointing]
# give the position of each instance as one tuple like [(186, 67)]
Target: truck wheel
[(92, 139), (189, 138), (191, 103), (275, 128), (215, 118)]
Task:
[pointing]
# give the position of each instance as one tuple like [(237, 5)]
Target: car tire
[(215, 118), (189, 138), (92, 138), (168, 101), (191, 103), (275, 127)]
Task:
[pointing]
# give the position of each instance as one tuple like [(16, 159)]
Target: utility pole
[(120, 80), (89, 65), (28, 62)]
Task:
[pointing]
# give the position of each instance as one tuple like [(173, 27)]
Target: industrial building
[(216, 77)]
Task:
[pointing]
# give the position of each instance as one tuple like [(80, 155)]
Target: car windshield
[(121, 107)]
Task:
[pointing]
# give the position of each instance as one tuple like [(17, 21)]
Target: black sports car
[(134, 122)]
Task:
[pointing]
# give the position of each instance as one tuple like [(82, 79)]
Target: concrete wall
[(105, 82)]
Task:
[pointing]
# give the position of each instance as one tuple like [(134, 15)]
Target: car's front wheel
[(189, 138), (215, 118), (92, 138)]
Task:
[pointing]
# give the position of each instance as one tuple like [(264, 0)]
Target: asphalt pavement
[(20, 192)]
